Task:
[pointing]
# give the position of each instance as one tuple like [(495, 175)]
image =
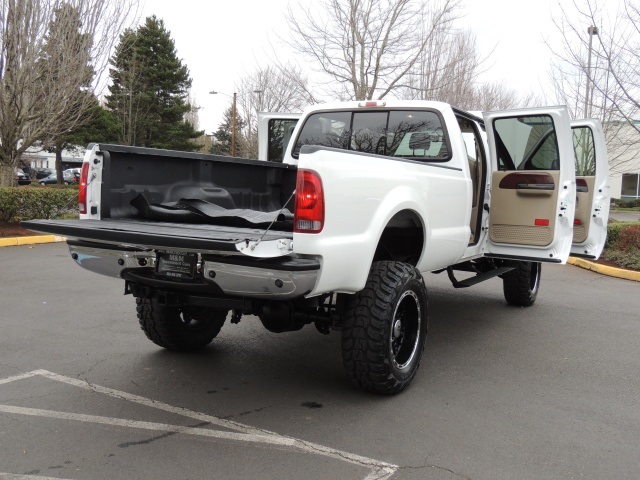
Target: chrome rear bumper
[(276, 278)]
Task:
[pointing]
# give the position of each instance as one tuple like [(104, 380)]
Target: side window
[(584, 151), (416, 135), (368, 132), (327, 129), (280, 131), (526, 143)]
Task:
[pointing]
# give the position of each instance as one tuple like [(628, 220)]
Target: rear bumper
[(239, 276)]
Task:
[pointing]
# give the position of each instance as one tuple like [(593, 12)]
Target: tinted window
[(327, 129), (369, 132), (526, 143), (407, 133), (414, 134), (584, 151), (280, 131)]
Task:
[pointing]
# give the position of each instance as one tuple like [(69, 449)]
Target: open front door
[(533, 189), (274, 134), (593, 189)]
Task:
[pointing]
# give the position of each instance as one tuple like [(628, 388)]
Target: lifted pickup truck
[(340, 226)]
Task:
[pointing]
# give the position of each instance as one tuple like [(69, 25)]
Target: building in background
[(36, 157)]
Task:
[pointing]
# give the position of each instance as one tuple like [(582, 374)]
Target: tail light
[(308, 214), (82, 190)]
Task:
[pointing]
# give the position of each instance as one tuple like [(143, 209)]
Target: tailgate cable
[(253, 247)]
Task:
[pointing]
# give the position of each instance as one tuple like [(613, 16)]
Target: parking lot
[(551, 391)]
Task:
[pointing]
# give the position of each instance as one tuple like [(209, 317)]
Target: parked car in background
[(75, 172), (67, 179), (41, 172), (21, 177)]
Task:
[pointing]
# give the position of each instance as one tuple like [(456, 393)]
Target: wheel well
[(402, 239)]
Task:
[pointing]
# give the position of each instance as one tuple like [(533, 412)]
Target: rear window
[(413, 134)]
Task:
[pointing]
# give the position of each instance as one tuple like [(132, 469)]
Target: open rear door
[(274, 134), (533, 188), (593, 189)]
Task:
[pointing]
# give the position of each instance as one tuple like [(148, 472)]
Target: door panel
[(593, 189), (584, 200), (523, 208), (532, 184)]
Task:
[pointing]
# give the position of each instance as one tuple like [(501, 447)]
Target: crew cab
[(353, 204)]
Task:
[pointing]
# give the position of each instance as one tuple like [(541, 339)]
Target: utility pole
[(592, 31), (233, 128)]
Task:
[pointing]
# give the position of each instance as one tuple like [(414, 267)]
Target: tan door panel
[(584, 198), (523, 207)]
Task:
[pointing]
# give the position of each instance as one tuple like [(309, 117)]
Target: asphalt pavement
[(546, 392), (620, 216)]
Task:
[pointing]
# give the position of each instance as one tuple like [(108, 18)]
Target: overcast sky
[(223, 41)]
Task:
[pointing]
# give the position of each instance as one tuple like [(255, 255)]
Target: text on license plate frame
[(181, 265)]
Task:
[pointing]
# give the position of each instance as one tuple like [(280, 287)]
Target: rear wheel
[(384, 328), (521, 284), (179, 328)]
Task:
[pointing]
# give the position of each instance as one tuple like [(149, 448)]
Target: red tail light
[(541, 222), (82, 190), (308, 214)]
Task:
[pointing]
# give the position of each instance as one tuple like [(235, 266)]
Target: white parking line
[(378, 470), (164, 427), (15, 476)]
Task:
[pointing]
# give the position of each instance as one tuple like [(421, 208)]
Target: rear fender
[(362, 194), (346, 258)]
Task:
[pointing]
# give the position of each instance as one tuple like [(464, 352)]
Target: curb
[(605, 269), (31, 240)]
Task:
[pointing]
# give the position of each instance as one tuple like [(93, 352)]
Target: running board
[(480, 277)]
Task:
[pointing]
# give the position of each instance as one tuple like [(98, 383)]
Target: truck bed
[(147, 234)]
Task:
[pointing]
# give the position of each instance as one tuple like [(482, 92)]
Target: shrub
[(629, 239), (623, 244), (629, 260), (625, 203), (28, 203), (613, 231)]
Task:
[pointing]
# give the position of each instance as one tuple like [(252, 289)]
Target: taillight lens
[(82, 190), (308, 214)]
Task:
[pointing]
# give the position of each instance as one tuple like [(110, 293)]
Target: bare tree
[(274, 88), (368, 46), (598, 75), (43, 94)]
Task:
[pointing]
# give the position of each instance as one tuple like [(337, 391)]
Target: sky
[(220, 42)]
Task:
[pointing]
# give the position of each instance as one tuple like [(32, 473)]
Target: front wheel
[(179, 328), (384, 329), (521, 284)]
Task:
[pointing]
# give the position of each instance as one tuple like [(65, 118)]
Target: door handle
[(535, 186)]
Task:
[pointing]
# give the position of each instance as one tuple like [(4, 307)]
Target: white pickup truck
[(356, 203)]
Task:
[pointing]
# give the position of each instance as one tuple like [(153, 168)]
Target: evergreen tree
[(150, 88), (102, 127), (224, 135)]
